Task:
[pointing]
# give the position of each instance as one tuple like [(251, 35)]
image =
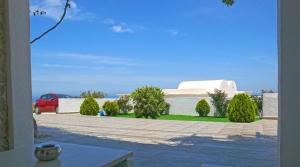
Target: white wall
[(185, 105), (270, 105), (72, 105), (179, 105)]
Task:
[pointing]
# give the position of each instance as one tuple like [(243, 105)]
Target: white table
[(72, 155)]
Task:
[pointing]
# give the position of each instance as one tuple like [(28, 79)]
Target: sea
[(35, 97)]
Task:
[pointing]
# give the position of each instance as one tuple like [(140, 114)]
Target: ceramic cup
[(47, 152)]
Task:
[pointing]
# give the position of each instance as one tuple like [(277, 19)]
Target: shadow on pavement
[(186, 151)]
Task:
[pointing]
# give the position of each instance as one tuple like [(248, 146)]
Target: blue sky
[(118, 45)]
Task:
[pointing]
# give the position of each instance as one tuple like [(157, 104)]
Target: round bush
[(242, 108), (149, 102), (89, 107), (111, 108), (202, 108)]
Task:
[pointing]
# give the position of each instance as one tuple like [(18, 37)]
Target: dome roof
[(204, 87), (207, 85)]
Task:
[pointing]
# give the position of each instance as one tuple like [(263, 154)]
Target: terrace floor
[(169, 143)]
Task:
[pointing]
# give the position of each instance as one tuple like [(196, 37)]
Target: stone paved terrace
[(169, 143)]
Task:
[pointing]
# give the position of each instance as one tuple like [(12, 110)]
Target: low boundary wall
[(185, 105), (270, 105), (72, 105), (179, 105)]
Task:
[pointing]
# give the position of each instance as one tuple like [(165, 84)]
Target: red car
[(48, 103)]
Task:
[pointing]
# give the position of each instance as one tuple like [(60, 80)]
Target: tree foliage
[(94, 94), (259, 103), (167, 109), (149, 102), (228, 2), (219, 101), (124, 104), (258, 99)]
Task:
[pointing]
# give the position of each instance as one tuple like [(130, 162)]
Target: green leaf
[(228, 2)]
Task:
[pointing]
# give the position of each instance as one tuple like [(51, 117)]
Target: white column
[(289, 82), (18, 73)]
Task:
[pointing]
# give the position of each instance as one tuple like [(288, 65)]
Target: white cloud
[(119, 78), (54, 10), (68, 66), (99, 59), (84, 61), (121, 29), (173, 32), (57, 65), (74, 72)]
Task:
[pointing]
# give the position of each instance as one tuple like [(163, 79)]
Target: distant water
[(35, 97), (112, 96)]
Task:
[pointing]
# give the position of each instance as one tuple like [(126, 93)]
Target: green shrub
[(89, 107), (259, 103), (242, 108), (220, 102), (149, 102), (167, 109), (111, 108), (258, 99), (202, 108), (124, 105)]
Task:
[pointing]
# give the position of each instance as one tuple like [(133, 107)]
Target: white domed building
[(183, 100), (194, 88)]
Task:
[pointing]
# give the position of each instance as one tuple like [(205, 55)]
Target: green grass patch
[(182, 118)]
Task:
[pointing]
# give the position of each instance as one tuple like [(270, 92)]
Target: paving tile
[(169, 143)]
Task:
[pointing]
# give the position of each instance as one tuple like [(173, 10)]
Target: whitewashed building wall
[(72, 105)]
